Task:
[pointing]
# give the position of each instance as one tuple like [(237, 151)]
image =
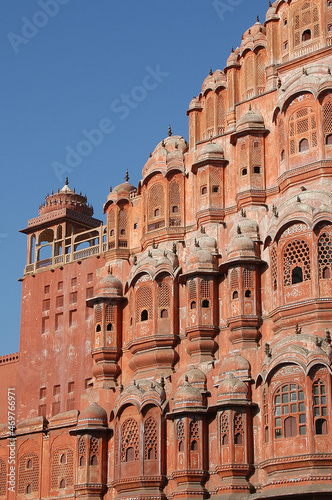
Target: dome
[(232, 388), (211, 149), (93, 415), (247, 227), (188, 396), (66, 198), (253, 31), (109, 286), (194, 104), (241, 244), (233, 58), (124, 186), (271, 13), (194, 376), (235, 363), (250, 120)]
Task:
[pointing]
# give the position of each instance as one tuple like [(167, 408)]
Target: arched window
[(303, 145), (209, 115), (82, 461), (150, 439), (164, 298), (98, 328), (62, 484), (109, 327), (296, 262), (297, 275), (320, 406), (94, 460), (235, 295), (204, 190), (325, 253), (164, 313), (289, 411), (129, 441), (144, 315), (224, 429), (181, 436), (238, 428), (247, 294), (302, 130), (29, 464), (194, 446), (144, 303), (205, 304), (244, 171), (174, 203), (193, 305), (306, 35), (29, 488), (130, 454), (63, 458), (305, 18), (156, 203)]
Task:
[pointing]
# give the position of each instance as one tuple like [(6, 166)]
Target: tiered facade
[(183, 350)]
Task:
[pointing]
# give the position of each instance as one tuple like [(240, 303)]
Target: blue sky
[(71, 66)]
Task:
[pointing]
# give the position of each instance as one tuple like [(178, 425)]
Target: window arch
[(224, 429), (320, 406), (174, 204), (150, 439), (305, 23), (327, 121), (302, 130), (221, 111), (260, 71), (325, 253), (181, 436), (156, 202), (144, 303), (129, 441), (289, 411), (238, 428), (296, 258), (164, 299), (209, 114)]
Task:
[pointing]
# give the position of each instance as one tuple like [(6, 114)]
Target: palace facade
[(183, 349)]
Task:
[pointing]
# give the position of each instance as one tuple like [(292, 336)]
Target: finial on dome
[(211, 72), (270, 4), (127, 176), (150, 155), (66, 183), (111, 189), (162, 382), (169, 131), (249, 32), (238, 229), (232, 49), (258, 19), (154, 245), (186, 378), (250, 108), (163, 143), (243, 213)]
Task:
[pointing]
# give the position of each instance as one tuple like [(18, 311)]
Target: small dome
[(241, 244), (94, 415), (194, 104), (211, 149), (232, 388), (235, 363), (271, 13), (194, 376), (253, 31), (66, 198), (233, 58), (248, 227), (250, 120), (124, 186), (109, 286), (188, 396)]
